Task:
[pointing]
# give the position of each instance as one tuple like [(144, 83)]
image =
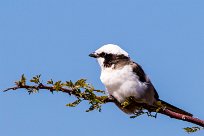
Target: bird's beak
[(94, 55)]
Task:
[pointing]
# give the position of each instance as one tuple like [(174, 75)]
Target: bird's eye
[(108, 56), (102, 54)]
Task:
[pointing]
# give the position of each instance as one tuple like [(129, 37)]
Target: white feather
[(111, 49), (122, 83)]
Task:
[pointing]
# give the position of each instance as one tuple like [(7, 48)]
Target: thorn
[(184, 117), (40, 85)]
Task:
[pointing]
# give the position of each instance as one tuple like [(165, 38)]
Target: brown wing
[(143, 78), (137, 69), (139, 72)]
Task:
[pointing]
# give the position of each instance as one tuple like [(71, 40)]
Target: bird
[(123, 78)]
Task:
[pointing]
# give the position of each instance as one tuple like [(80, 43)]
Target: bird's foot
[(149, 114), (138, 112), (141, 111)]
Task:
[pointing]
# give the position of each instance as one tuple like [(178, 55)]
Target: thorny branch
[(83, 91)]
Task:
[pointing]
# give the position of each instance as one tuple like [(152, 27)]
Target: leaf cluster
[(80, 89), (192, 129)]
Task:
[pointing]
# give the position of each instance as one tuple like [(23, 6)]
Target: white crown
[(111, 49)]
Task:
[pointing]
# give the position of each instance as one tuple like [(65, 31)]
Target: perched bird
[(124, 78)]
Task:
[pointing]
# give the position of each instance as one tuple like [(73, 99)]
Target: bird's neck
[(114, 64)]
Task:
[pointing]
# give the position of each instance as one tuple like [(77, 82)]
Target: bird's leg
[(138, 112), (149, 114)]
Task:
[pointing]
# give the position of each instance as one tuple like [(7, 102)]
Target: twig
[(106, 99), (182, 117)]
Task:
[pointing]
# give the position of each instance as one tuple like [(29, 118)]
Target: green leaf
[(23, 80), (192, 129), (69, 84), (81, 83), (125, 104), (91, 108), (74, 104), (100, 91), (57, 85), (50, 82), (36, 79), (94, 107)]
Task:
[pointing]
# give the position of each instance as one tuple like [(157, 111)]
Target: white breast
[(123, 83)]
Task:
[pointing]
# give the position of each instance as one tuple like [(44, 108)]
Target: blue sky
[(54, 38)]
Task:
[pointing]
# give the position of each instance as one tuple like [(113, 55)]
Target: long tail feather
[(175, 109)]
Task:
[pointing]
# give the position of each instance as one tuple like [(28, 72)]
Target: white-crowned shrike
[(124, 78)]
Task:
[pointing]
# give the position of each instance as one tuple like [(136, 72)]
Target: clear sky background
[(54, 38)]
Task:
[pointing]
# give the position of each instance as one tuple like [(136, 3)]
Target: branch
[(182, 117), (83, 91)]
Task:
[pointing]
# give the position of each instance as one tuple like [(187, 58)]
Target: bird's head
[(109, 54)]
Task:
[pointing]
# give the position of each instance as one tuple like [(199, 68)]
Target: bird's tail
[(174, 109)]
